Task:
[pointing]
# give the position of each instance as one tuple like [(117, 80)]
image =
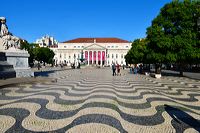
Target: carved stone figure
[(13, 61), (6, 38)]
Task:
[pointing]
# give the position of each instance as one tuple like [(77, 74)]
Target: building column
[(83, 54), (105, 59), (88, 58), (92, 57), (101, 58), (96, 57)]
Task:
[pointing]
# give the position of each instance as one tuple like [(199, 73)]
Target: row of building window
[(75, 46), (74, 56), (108, 56), (115, 62), (115, 46), (122, 56), (112, 46), (66, 62)]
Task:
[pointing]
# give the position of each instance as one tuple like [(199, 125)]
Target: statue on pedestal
[(6, 38), (11, 55)]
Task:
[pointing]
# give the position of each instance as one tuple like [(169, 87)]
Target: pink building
[(99, 51)]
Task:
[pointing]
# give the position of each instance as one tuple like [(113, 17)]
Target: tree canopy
[(44, 54), (41, 54), (29, 47), (173, 37), (137, 53)]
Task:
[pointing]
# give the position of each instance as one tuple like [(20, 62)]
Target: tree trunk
[(181, 73), (157, 68), (181, 69), (149, 67)]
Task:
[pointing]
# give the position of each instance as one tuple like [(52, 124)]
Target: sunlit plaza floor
[(92, 100)]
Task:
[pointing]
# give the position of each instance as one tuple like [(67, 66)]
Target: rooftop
[(97, 40)]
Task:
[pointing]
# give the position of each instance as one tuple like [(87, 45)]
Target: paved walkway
[(92, 100), (191, 75)]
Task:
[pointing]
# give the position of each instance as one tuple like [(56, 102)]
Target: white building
[(99, 51), (46, 41)]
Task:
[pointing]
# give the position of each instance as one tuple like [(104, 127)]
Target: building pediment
[(94, 47)]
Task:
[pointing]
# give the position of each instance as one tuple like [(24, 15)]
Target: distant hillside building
[(46, 41), (97, 51)]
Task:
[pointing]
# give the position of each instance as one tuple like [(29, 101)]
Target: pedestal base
[(19, 60), (6, 70), (24, 73)]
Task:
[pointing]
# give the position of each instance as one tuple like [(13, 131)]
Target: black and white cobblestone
[(95, 99)]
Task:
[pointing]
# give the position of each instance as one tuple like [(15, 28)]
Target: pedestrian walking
[(135, 70), (114, 69), (118, 69), (132, 69)]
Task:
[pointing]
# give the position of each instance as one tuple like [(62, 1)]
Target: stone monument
[(12, 59)]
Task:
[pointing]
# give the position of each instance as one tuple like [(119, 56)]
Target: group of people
[(114, 68), (134, 69)]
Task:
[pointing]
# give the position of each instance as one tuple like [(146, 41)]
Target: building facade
[(94, 51), (46, 41)]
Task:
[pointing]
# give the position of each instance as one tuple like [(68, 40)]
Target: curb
[(15, 81)]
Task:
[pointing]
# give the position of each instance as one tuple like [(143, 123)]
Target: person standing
[(114, 69), (131, 69), (135, 69), (118, 69)]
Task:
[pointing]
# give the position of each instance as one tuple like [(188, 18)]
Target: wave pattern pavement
[(92, 100)]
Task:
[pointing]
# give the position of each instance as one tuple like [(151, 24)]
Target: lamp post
[(81, 59), (74, 61), (105, 62), (74, 58)]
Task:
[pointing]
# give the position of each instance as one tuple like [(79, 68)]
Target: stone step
[(2, 56), (4, 66), (4, 63), (6, 69), (7, 74)]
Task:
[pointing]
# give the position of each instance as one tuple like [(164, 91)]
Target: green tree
[(129, 57), (29, 47), (36, 53), (137, 53), (44, 54), (173, 36)]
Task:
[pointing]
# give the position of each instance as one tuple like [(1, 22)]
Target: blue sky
[(69, 19)]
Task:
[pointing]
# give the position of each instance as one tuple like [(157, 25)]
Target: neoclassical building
[(99, 51)]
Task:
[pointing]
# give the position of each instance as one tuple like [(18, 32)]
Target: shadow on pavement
[(44, 73), (182, 117), (191, 75), (170, 74)]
